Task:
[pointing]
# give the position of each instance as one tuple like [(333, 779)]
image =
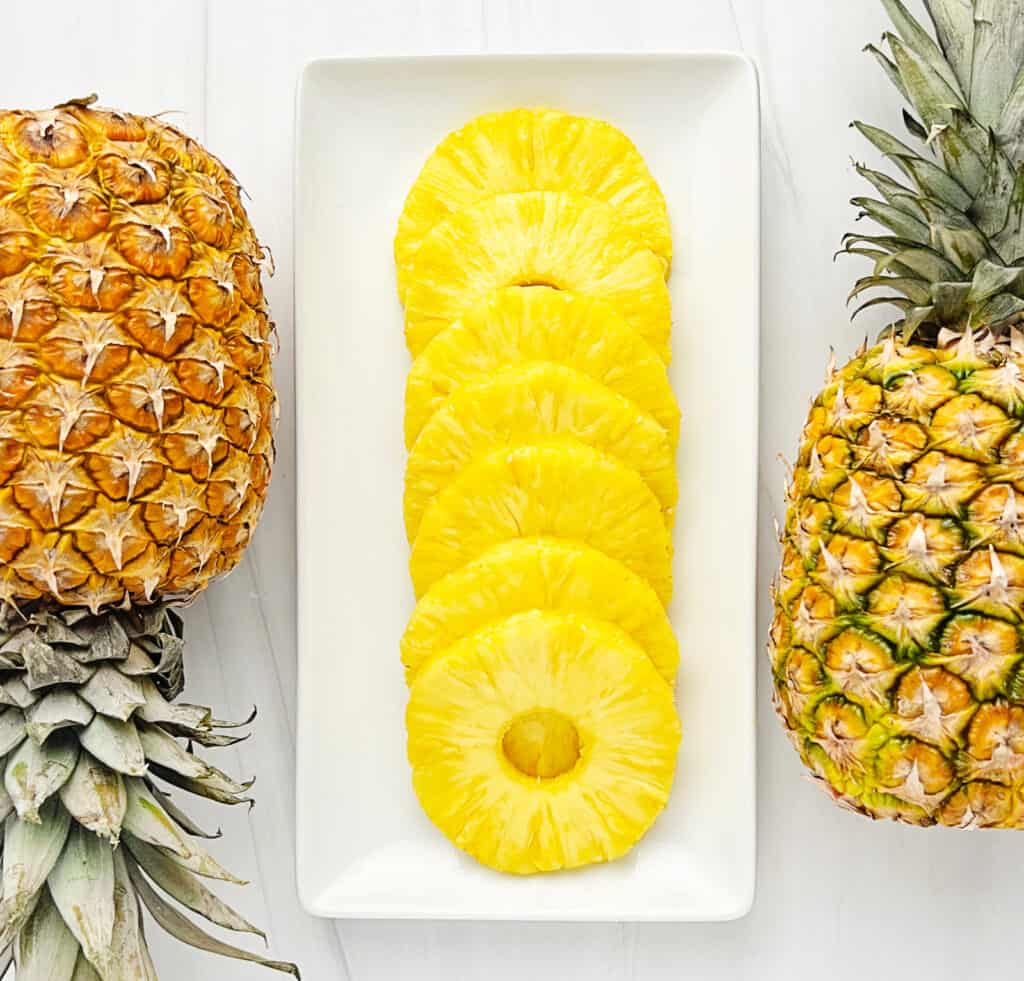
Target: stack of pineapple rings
[(532, 254)]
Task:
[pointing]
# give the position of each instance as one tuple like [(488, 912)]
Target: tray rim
[(314, 902)]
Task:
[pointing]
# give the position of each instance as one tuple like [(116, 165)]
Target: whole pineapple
[(898, 641), (136, 416)]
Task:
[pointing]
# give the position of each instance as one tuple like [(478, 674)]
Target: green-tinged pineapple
[(898, 641), (136, 421)]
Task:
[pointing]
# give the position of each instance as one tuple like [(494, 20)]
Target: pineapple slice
[(563, 489), (528, 403), (543, 574), (546, 741), (535, 150), (537, 323), (565, 240)]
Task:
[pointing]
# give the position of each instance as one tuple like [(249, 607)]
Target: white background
[(837, 897)]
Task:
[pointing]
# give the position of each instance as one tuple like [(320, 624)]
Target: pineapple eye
[(542, 744)]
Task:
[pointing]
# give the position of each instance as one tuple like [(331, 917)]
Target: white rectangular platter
[(365, 127)]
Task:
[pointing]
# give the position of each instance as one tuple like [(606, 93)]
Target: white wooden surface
[(836, 895)]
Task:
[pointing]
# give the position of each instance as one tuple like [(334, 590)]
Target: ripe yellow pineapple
[(562, 489), (136, 417), (526, 403), (542, 574), (535, 150), (536, 323), (545, 741), (561, 239), (897, 641)]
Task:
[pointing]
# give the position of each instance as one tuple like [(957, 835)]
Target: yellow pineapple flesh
[(545, 741), (542, 574), (521, 324), (562, 489), (535, 150), (563, 239), (526, 403)]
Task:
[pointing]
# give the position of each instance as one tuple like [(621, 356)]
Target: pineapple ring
[(538, 573), (535, 150), (546, 741), (565, 240), (536, 323), (529, 402), (560, 489)]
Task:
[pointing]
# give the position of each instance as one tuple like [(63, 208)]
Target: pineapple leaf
[(6, 804), (950, 301), (954, 27), (146, 819), (96, 798), (47, 666), (161, 747), (990, 279), (30, 853), (179, 816), (992, 205), (1010, 128), (215, 786), (997, 309), (57, 710), (82, 886), (913, 320), (897, 194), (84, 971), (897, 301), (187, 932), (998, 48), (921, 43), (47, 949), (113, 693), (158, 709), (34, 773), (930, 94), (889, 67), (1010, 240), (12, 730), (6, 960), (115, 743), (914, 127), (183, 886), (929, 177), (896, 220), (955, 236), (127, 958), (964, 161), (927, 264), (911, 288)]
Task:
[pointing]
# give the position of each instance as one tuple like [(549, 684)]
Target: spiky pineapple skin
[(136, 399), (897, 649)]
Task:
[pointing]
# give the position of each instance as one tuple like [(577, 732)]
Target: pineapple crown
[(953, 258)]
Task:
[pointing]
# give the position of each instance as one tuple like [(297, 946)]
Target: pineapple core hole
[(542, 744), (538, 281)]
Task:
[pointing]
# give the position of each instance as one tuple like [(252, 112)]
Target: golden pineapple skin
[(559, 489), (535, 150), (521, 404), (523, 324), (897, 646), (542, 574), (563, 239), (545, 741), (136, 398)]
